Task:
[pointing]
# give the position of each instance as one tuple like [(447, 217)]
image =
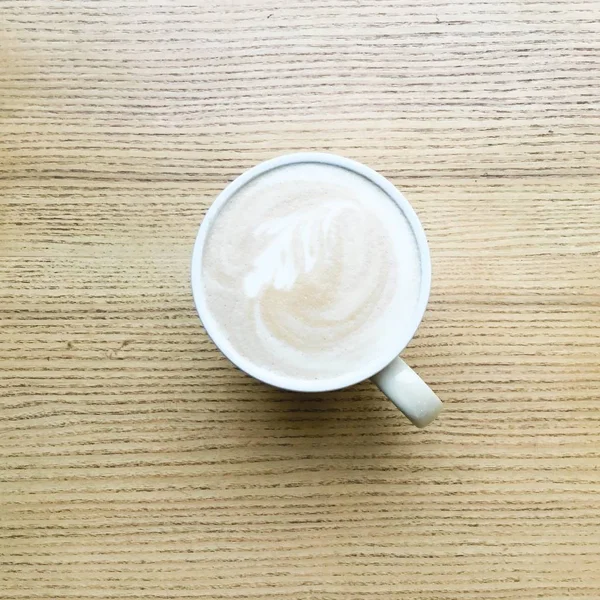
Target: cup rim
[(298, 384)]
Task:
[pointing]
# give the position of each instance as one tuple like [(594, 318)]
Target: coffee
[(311, 271)]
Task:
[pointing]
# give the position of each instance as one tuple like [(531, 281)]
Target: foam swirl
[(303, 232), (310, 270)]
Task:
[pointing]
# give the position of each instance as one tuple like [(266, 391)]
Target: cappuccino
[(311, 271)]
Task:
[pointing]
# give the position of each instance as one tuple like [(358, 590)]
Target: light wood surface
[(136, 462)]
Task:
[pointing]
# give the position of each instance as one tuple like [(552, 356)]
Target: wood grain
[(137, 463)]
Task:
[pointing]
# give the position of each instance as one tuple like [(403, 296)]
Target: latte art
[(311, 270), (303, 233)]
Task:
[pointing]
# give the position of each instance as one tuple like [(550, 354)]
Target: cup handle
[(408, 392)]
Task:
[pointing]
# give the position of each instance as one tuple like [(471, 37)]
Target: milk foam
[(311, 271)]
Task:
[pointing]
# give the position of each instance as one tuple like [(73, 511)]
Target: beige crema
[(311, 271)]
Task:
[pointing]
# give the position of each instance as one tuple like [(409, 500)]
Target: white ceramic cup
[(391, 374)]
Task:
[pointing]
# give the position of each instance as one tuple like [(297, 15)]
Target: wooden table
[(137, 463)]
